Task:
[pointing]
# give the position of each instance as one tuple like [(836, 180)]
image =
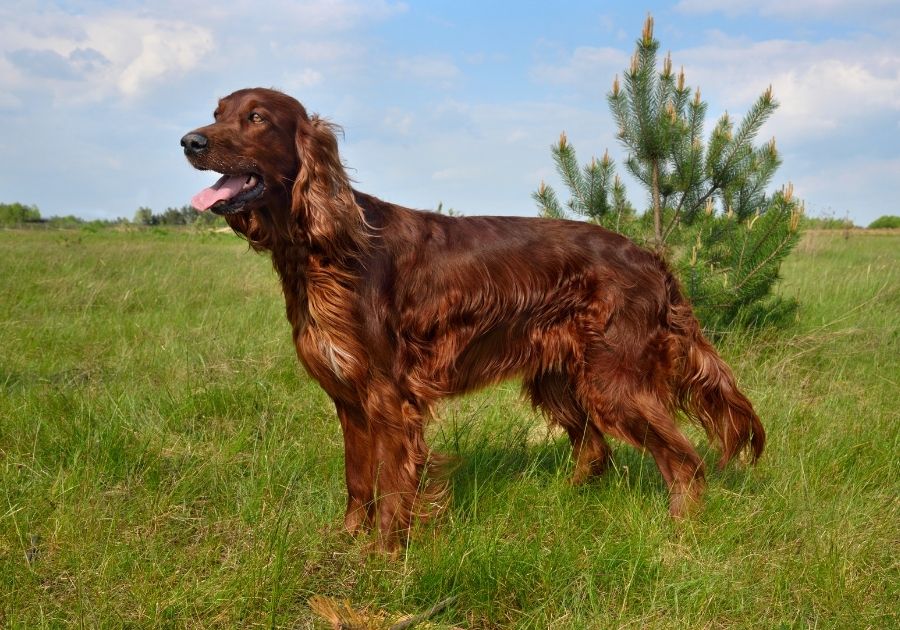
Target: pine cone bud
[(647, 34), (788, 192)]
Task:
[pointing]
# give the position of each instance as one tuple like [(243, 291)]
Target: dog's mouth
[(230, 194)]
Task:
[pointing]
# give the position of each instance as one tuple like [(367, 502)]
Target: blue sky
[(455, 102)]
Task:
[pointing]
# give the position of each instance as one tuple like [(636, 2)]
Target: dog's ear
[(322, 198)]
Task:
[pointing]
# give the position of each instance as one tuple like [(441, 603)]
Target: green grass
[(165, 462)]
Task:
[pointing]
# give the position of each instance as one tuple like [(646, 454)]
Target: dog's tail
[(704, 385)]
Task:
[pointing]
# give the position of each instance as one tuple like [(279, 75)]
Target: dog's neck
[(291, 262)]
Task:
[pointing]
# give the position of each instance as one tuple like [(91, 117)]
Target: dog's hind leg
[(553, 394), (632, 412)]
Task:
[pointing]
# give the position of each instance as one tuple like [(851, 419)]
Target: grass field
[(164, 462)]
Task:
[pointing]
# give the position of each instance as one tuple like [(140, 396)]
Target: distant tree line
[(887, 221), (185, 215), (833, 223), (826, 223), (15, 213), (18, 214)]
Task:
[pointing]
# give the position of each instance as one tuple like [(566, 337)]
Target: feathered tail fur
[(705, 387)]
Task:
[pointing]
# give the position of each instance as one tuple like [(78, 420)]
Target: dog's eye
[(255, 118), (216, 114)]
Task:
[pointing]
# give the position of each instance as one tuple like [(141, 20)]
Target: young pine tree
[(709, 213)]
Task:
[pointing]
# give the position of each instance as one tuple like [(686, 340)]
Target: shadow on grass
[(489, 462)]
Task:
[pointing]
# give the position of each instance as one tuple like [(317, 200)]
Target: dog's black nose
[(194, 143)]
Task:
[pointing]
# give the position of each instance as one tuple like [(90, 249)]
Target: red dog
[(393, 309)]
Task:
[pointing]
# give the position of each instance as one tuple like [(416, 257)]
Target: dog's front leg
[(359, 467), (400, 460)]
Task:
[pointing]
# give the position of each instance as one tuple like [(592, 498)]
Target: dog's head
[(252, 145), (280, 168)]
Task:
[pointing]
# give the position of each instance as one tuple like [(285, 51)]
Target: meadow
[(165, 462)]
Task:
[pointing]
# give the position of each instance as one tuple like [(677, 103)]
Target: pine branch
[(758, 114), (768, 258), (548, 203), (567, 165)]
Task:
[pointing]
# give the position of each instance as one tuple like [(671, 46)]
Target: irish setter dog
[(393, 309)]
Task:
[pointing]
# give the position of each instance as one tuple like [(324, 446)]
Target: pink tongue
[(226, 188)]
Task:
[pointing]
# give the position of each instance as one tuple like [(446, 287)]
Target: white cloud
[(854, 188), (585, 64), (453, 174), (88, 58), (320, 51), (516, 135), (327, 15), (440, 71), (305, 78), (821, 86), (397, 121), (163, 48), (9, 101), (133, 51), (793, 8), (274, 16)]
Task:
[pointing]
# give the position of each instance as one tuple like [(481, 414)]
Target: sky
[(452, 102)]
